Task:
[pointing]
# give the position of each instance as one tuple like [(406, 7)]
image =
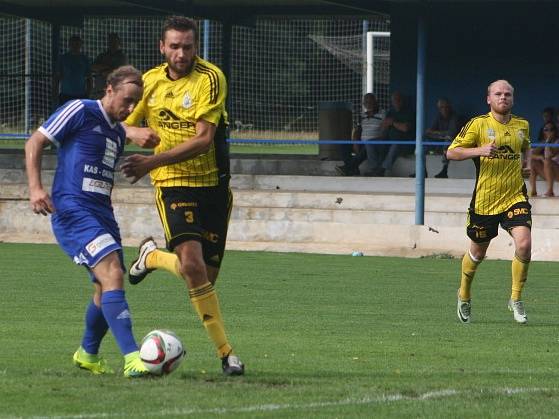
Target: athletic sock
[(115, 310), (205, 302), (519, 276), (159, 259), (95, 329), (469, 266)]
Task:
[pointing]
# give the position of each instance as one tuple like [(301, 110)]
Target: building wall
[(468, 46)]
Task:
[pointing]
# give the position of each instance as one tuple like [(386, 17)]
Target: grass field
[(322, 337), (245, 148)]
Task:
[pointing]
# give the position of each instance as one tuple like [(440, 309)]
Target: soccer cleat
[(138, 270), (518, 312), (463, 309), (232, 365), (93, 363), (134, 367)]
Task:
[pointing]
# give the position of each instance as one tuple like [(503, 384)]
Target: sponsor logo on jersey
[(168, 119), (491, 134), (97, 186), (100, 243), (505, 152)]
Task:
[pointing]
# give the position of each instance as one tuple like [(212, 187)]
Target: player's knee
[(524, 248), (193, 269)]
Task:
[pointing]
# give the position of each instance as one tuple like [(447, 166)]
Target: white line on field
[(385, 398)]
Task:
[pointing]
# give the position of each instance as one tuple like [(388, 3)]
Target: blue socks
[(95, 328), (115, 310)]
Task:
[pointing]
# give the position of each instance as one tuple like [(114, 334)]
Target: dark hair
[(548, 109), (181, 24), (74, 38), (123, 75)]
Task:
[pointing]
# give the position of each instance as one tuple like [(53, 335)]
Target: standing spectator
[(73, 73), (398, 125), (184, 104), (496, 142), (445, 127), (369, 128), (113, 57)]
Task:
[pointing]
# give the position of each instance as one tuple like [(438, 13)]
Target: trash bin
[(335, 120)]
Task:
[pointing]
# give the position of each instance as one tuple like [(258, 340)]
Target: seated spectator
[(398, 125), (547, 116), (369, 128), (551, 162), (544, 160), (445, 127)]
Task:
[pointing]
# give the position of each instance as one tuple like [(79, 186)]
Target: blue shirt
[(89, 145), (74, 69)]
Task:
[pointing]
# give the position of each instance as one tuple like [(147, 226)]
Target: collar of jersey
[(111, 124)]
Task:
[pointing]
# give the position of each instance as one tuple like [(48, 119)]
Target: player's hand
[(40, 202), (136, 167), (144, 137), (488, 150)]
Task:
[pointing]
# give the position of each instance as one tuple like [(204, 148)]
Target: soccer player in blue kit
[(90, 139)]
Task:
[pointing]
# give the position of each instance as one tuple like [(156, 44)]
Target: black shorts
[(196, 213), (483, 228)]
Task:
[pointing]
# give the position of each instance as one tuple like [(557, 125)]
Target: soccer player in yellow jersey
[(184, 108), (496, 142)]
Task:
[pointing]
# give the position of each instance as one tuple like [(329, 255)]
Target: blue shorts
[(87, 237)]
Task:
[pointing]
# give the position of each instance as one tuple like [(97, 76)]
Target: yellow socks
[(158, 259), (205, 302), (469, 266), (519, 276)]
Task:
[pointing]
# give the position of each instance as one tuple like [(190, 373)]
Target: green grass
[(311, 149), (322, 337)]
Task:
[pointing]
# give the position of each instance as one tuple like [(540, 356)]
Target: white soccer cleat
[(138, 270), (463, 309), (518, 312)]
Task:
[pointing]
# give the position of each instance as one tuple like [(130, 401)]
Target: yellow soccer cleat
[(93, 363), (134, 367)]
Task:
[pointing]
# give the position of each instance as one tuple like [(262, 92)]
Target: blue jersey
[(89, 145)]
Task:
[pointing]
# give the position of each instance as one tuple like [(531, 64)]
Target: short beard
[(182, 73)]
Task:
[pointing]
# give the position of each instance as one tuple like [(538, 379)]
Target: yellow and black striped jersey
[(172, 107), (499, 182)]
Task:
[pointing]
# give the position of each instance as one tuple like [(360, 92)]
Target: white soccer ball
[(161, 351)]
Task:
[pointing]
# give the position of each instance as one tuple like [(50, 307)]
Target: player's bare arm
[(463, 153), (39, 199), (137, 166), (144, 137)]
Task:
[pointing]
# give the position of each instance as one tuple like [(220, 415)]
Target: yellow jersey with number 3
[(499, 181), (172, 107)]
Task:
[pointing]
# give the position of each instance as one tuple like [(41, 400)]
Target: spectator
[(110, 59), (551, 158), (73, 73), (537, 157), (445, 127), (398, 125), (547, 116), (369, 128)]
